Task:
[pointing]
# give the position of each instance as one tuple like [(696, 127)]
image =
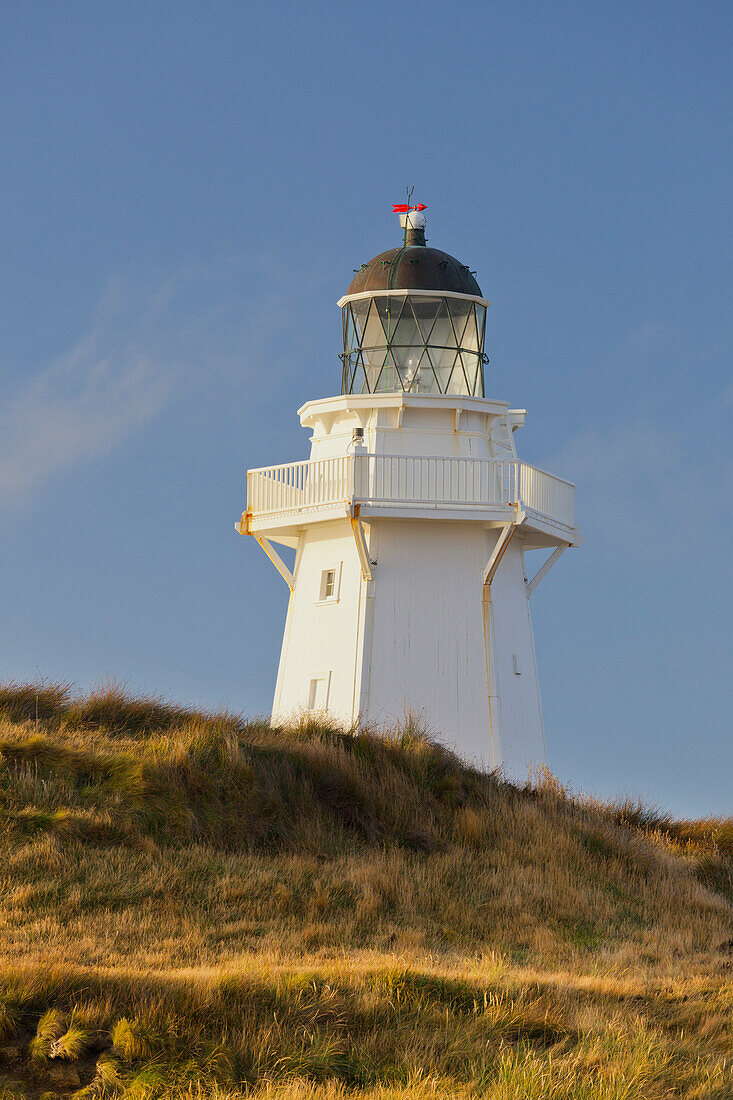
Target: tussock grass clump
[(109, 706), (33, 702), (108, 1079), (136, 1041), (193, 905), (8, 1021), (49, 1030)]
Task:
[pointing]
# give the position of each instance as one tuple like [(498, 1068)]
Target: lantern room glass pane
[(471, 365), (389, 379), (351, 336), (442, 334), (425, 311), (480, 324), (457, 383), (407, 359), (443, 362), (359, 382), (427, 382), (373, 372), (359, 310), (373, 336), (406, 333), (389, 310), (460, 311), (470, 337), (408, 364), (414, 342)]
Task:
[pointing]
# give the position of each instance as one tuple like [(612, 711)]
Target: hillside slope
[(193, 905)]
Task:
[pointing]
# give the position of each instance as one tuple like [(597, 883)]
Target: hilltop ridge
[(197, 905)]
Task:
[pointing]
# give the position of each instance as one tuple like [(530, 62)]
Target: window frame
[(317, 678), (335, 568)]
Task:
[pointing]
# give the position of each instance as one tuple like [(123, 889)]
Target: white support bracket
[(276, 560), (287, 576), (502, 544), (357, 528), (545, 569)]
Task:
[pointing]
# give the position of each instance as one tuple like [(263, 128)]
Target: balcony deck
[(281, 498)]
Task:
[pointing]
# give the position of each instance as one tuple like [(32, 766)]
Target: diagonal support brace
[(276, 560), (357, 529), (502, 544), (545, 569), (287, 576)]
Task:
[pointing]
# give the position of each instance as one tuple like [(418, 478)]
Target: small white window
[(330, 583), (318, 691)]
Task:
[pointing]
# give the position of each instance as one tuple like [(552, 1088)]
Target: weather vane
[(406, 208)]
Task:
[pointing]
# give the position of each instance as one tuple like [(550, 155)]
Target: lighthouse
[(411, 523)]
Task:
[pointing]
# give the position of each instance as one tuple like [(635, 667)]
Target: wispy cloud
[(145, 345), (114, 379)]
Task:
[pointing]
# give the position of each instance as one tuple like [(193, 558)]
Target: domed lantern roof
[(414, 320)]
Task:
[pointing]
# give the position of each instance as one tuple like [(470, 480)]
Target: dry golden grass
[(196, 906)]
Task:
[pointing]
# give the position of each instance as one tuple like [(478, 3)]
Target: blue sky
[(186, 189)]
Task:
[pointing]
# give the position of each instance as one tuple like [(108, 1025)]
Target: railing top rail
[(411, 458), (547, 473), (290, 465), (438, 458)]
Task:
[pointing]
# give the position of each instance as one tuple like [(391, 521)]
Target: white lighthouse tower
[(410, 521)]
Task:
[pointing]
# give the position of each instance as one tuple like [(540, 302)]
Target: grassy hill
[(196, 906)]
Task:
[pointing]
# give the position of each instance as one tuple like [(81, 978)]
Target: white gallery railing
[(366, 479)]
